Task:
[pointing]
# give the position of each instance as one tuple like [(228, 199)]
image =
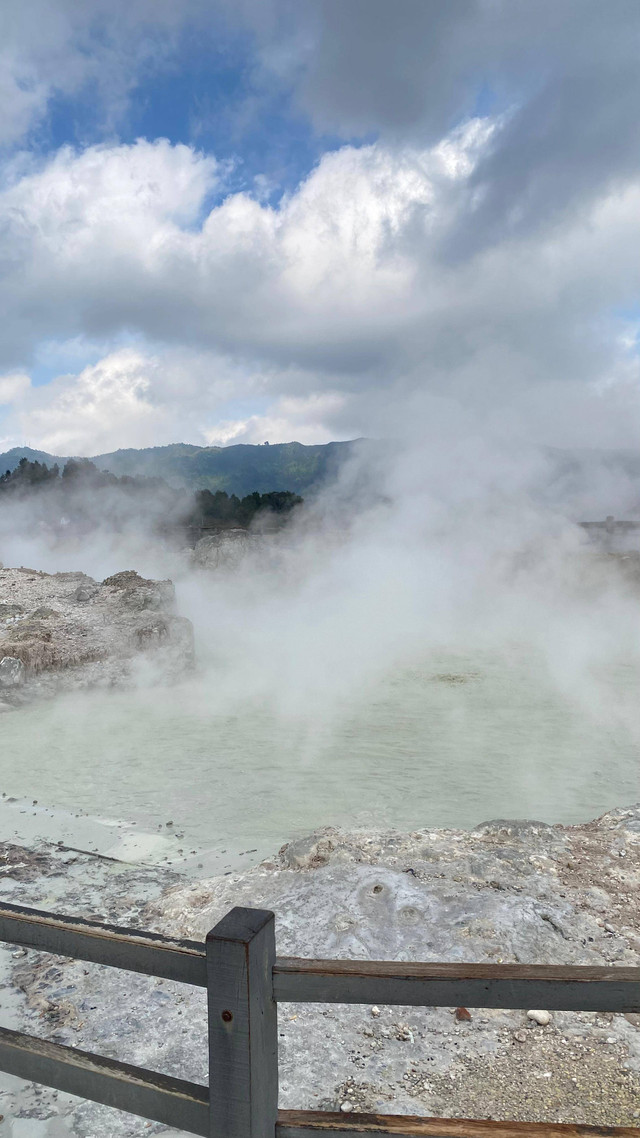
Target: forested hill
[(240, 469), (84, 498)]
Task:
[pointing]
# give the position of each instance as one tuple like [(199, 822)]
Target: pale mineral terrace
[(506, 891)]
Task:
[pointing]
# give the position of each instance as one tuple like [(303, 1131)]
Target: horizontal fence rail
[(300, 980), (159, 1097), (560, 988), (155, 955), (245, 981), (322, 1124)]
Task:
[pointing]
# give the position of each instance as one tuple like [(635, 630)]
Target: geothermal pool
[(448, 741)]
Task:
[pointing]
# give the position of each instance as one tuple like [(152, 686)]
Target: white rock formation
[(65, 630), (11, 672), (225, 549)]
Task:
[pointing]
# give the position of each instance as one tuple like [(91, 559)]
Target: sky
[(264, 220)]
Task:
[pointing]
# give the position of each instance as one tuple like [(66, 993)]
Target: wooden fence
[(245, 981)]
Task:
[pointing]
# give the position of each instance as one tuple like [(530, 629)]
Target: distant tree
[(28, 474), (75, 494), (222, 509)]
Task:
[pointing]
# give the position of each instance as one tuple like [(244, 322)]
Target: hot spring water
[(450, 741)]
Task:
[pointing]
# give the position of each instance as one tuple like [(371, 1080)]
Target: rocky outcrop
[(65, 630), (11, 672), (225, 549)]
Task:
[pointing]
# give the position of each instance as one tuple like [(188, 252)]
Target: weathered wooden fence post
[(243, 1026)]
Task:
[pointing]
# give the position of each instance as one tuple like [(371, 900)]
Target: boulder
[(84, 593), (11, 672), (7, 611)]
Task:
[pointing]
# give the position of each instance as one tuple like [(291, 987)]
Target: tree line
[(78, 485), (228, 509), (27, 476)]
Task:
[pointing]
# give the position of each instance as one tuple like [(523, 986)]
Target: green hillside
[(10, 459), (240, 469)]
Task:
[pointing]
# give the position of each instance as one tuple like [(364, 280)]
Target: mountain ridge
[(241, 468), (585, 478)]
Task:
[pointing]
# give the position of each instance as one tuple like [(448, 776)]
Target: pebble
[(521, 1036), (541, 1017), (345, 1107), (20, 952), (375, 1012)]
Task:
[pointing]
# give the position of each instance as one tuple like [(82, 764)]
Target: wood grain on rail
[(310, 1123)]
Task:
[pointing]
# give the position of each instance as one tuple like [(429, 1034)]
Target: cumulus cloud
[(564, 78), (109, 238), (133, 397), (130, 397), (433, 273), (341, 291), (82, 233), (67, 413), (565, 75)]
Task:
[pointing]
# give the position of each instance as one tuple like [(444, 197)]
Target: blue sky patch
[(207, 96)]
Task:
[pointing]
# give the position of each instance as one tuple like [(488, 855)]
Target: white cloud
[(135, 398), (13, 387), (132, 397), (306, 420), (107, 239), (118, 198), (340, 311), (564, 75), (104, 399)]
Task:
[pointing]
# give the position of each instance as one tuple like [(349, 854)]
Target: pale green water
[(451, 742)]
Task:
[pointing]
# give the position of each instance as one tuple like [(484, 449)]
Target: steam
[(462, 544), (440, 562), (443, 548)]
